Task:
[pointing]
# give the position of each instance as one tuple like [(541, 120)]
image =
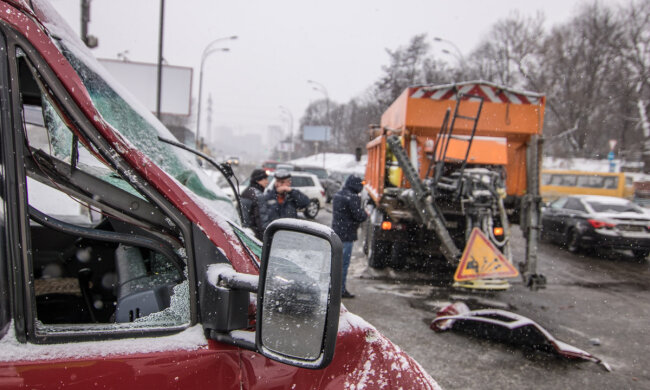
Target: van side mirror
[(299, 294)]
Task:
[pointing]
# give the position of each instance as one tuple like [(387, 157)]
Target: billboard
[(316, 133), (141, 79)]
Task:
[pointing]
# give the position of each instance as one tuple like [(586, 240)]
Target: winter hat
[(354, 184), (258, 174), (282, 174)]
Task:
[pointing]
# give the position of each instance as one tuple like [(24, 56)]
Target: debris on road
[(505, 326)]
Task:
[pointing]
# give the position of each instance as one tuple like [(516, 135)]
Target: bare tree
[(635, 52), (576, 74), (407, 67), (511, 41)]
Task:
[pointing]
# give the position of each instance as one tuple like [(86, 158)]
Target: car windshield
[(141, 128), (622, 207)]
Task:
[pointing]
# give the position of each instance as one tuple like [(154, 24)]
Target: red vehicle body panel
[(364, 359), (216, 367), (363, 355)]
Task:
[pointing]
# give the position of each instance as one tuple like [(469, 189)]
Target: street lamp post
[(320, 87), (452, 44), (287, 112), (160, 58), (209, 49), (459, 57)]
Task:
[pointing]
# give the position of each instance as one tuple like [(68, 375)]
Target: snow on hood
[(386, 365), (12, 350)]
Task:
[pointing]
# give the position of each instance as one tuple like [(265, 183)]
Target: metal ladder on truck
[(445, 135), (422, 197)]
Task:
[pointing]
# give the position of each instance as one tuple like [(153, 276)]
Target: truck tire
[(398, 256), (378, 251), (366, 236)]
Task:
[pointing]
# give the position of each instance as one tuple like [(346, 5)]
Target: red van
[(123, 266)]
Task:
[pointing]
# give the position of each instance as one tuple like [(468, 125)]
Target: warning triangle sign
[(482, 260)]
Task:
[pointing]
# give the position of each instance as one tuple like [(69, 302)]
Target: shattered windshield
[(142, 129)]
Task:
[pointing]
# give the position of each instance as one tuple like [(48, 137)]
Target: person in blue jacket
[(282, 201), (347, 215)]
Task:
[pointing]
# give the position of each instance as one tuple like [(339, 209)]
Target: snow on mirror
[(296, 294)]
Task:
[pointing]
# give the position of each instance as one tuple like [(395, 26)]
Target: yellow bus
[(556, 183)]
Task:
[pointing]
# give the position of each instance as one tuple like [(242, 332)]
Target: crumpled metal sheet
[(509, 327)]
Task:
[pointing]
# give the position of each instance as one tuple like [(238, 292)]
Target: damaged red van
[(123, 266)]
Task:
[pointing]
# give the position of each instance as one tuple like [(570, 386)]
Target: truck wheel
[(398, 256), (312, 209), (366, 237), (378, 251)]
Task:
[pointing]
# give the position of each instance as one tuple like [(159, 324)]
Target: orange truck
[(450, 158)]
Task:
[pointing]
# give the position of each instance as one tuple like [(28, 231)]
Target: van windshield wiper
[(224, 168)]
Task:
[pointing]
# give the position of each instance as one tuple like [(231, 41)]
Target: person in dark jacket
[(347, 215), (252, 202), (282, 201)]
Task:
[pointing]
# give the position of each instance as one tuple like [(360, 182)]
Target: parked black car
[(292, 284), (589, 222)]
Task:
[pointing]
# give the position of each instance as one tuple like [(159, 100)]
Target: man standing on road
[(347, 215), (282, 201), (252, 202)]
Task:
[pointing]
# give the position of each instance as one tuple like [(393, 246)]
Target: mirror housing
[(299, 293)]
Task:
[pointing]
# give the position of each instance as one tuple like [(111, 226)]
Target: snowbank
[(335, 162), (346, 163), (588, 165)]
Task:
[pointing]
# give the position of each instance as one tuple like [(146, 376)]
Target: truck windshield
[(141, 128)]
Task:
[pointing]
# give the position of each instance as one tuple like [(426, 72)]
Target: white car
[(309, 185)]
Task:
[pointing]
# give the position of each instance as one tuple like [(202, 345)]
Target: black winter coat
[(273, 210), (252, 204), (347, 213)]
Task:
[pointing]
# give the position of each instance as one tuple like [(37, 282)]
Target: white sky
[(283, 43)]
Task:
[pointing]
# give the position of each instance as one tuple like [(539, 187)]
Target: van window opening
[(95, 262)]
